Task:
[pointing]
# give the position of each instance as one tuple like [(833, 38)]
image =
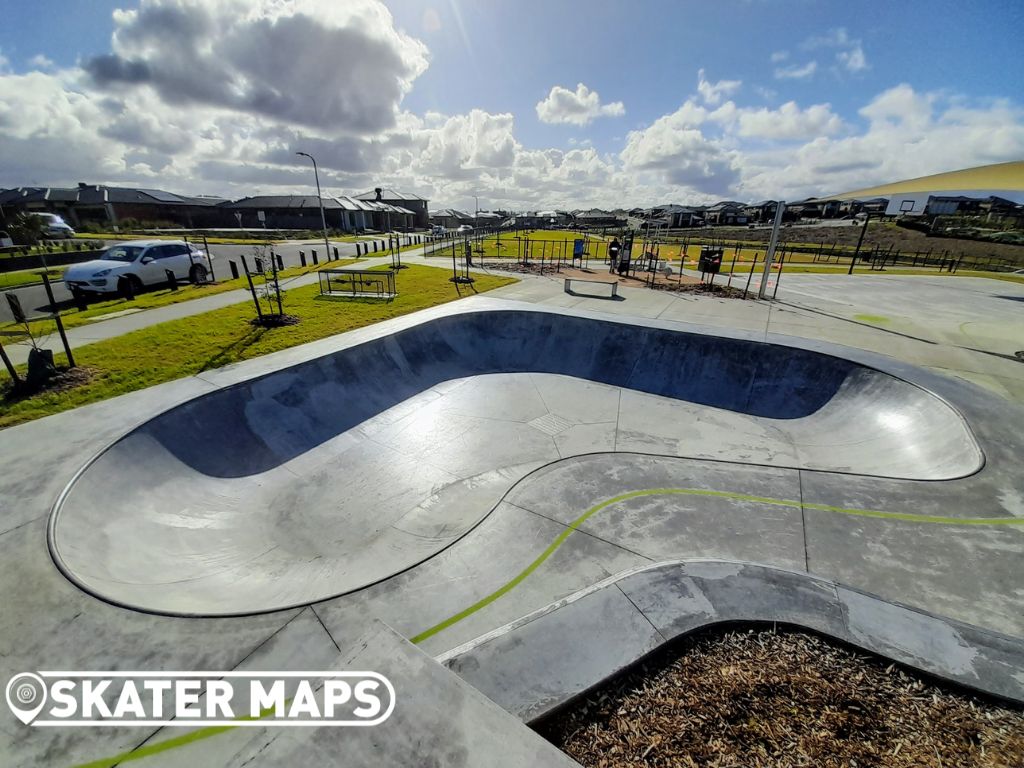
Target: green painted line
[(205, 733), (163, 746), (899, 516)]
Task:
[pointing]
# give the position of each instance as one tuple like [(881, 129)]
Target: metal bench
[(353, 283), (612, 286)]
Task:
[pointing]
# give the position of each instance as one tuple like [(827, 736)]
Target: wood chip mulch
[(770, 699), (65, 379), (274, 321)]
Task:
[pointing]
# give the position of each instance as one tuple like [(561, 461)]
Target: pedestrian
[(613, 254)]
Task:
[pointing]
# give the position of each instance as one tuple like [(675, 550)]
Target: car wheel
[(197, 274), (136, 284)]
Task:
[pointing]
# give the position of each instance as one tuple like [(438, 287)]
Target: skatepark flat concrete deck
[(502, 458)]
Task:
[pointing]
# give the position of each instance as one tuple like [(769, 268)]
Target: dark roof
[(283, 201), (98, 194), (388, 194)]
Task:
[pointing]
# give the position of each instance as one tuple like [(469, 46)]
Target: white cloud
[(677, 149), (336, 65), (834, 38), (789, 122), (578, 107), (712, 93), (778, 56), (850, 56), (796, 72), (39, 61), (59, 127), (853, 60)]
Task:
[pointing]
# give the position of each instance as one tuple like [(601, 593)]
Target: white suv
[(141, 262), (55, 226)]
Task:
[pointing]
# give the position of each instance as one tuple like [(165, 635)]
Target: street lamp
[(323, 219)]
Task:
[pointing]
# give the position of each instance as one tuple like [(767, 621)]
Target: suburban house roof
[(283, 201), (99, 194), (389, 194), (450, 213)]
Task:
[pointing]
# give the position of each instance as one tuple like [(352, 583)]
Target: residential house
[(451, 218), (111, 205), (726, 213), (413, 203)]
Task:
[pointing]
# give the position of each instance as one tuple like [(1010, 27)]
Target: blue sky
[(447, 97)]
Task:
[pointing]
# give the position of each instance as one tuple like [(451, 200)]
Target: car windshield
[(122, 253)]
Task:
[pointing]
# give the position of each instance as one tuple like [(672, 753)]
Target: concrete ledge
[(534, 665)]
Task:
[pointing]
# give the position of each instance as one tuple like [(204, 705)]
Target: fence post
[(234, 270), (56, 317), (252, 289), (312, 253), (302, 258)]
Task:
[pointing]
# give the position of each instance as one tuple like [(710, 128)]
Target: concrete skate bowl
[(339, 472)]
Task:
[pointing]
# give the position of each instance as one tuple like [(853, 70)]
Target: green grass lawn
[(11, 332), (24, 277), (194, 344)]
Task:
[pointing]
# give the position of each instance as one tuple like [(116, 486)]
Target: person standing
[(613, 254)]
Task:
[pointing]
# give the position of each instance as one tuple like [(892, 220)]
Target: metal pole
[(323, 218), (10, 368), (772, 245), (867, 218), (56, 316), (209, 258), (252, 289)]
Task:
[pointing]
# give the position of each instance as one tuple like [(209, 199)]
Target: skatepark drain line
[(204, 733)]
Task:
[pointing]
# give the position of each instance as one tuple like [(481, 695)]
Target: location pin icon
[(26, 696)]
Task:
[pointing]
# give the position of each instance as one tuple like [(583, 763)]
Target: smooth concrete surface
[(541, 662), (523, 556), (438, 720), (337, 473)]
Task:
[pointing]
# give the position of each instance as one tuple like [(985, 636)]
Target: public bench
[(612, 287), (357, 283)]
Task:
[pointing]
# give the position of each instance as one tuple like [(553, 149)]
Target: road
[(34, 301)]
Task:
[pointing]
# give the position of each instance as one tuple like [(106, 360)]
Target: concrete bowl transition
[(336, 473)]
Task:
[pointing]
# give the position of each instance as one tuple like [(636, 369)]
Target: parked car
[(55, 226), (437, 229), (5, 240), (464, 228), (141, 262)]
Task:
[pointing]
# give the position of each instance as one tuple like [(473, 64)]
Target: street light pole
[(323, 218)]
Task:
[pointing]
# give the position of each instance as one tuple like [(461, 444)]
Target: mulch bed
[(782, 698), (274, 321), (642, 280), (66, 378)]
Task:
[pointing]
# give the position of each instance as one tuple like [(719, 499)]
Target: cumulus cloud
[(39, 61), (778, 56), (853, 60), (578, 107), (121, 122), (789, 122), (796, 72), (712, 93), (677, 149), (850, 56), (342, 66)]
